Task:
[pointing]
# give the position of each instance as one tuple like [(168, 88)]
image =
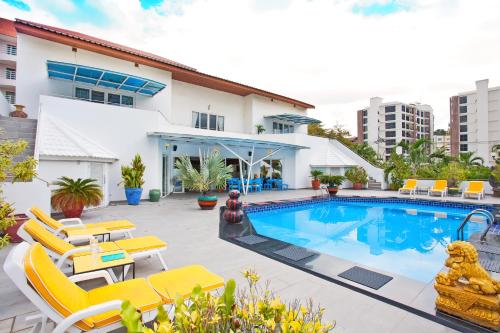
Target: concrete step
[(19, 128)]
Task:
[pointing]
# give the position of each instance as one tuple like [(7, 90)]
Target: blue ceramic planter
[(133, 195)]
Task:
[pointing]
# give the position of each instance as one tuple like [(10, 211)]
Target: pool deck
[(192, 236)]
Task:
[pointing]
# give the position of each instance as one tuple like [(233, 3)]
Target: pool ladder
[(490, 219)]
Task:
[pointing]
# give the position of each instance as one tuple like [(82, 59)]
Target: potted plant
[(333, 183), (133, 180), (315, 174), (72, 195), (454, 173), (18, 112), (357, 176), (213, 173), (260, 128), (495, 180)]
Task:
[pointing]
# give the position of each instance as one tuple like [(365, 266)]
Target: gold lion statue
[(467, 290), (463, 263)]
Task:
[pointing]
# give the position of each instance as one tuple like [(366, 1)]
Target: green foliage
[(20, 171), (75, 193), (477, 172), (428, 171), (332, 180), (213, 172), (468, 159), (316, 174), (263, 171), (454, 173), (495, 176), (416, 153), (357, 175), (260, 128), (253, 310), (367, 152), (338, 132), (133, 175), (440, 131), (396, 170)]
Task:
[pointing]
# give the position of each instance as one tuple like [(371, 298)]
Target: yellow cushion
[(112, 225), (139, 244), (137, 291), (54, 287), (439, 185), (46, 238), (181, 281), (475, 187), (45, 218)]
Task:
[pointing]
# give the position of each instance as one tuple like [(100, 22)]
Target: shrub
[(357, 175), (331, 180), (255, 310), (133, 175), (478, 172), (454, 173), (316, 174), (76, 193), (427, 171)]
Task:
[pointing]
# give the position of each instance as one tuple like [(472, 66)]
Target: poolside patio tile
[(20, 322)]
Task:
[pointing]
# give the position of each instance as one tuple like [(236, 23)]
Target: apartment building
[(8, 55), (475, 121), (384, 125), (441, 142)]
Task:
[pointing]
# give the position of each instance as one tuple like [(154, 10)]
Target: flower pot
[(133, 195), (154, 195), (207, 202), (12, 230), (70, 212), (496, 192), (19, 112), (357, 186), (333, 191), (315, 184)]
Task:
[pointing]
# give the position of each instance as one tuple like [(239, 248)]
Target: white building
[(8, 55), (99, 103), (441, 142), (384, 125), (475, 121)]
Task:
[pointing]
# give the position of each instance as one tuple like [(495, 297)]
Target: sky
[(335, 54)]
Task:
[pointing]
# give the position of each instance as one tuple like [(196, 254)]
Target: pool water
[(405, 239)]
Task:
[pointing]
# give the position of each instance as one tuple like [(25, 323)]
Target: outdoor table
[(88, 263), (83, 233)]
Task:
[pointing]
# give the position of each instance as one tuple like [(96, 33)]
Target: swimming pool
[(407, 239)]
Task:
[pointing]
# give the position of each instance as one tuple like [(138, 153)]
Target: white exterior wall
[(24, 195), (33, 81), (119, 129), (262, 107)]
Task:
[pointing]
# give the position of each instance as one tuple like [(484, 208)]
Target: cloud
[(317, 51)]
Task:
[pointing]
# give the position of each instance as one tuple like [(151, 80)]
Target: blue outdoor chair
[(280, 185)]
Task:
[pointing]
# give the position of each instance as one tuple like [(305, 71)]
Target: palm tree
[(416, 153), (468, 159), (260, 128), (72, 195)]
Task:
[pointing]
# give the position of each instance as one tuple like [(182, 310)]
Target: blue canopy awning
[(294, 118), (103, 78)]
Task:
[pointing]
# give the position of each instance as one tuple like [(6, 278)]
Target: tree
[(260, 128), (337, 132), (416, 153), (468, 159), (367, 152), (23, 170), (440, 131)]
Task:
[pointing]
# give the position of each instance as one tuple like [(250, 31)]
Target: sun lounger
[(74, 309), (62, 251), (67, 226), (440, 187), (410, 187), (474, 188)]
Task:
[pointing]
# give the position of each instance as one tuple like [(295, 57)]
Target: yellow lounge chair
[(474, 188), (410, 186), (440, 187), (67, 226), (74, 309), (61, 250)]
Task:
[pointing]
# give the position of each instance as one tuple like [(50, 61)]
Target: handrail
[(485, 232), (489, 220)]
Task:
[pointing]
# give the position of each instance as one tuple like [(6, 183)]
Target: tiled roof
[(105, 43), (179, 71), (7, 28), (56, 140)]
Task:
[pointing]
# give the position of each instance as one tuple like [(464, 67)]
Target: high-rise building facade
[(475, 121), (384, 125)]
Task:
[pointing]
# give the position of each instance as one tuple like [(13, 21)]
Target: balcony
[(8, 55), (7, 83)]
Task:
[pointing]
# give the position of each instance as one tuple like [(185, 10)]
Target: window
[(365, 120), (10, 96), (463, 137), (81, 93), (390, 125), (97, 96), (390, 142), (127, 100), (10, 73), (463, 147), (365, 113), (463, 108), (389, 117), (390, 108), (463, 119), (11, 49), (403, 108), (388, 150), (462, 99), (390, 134), (463, 128), (220, 123), (203, 120), (195, 122), (212, 124), (365, 128), (113, 99), (365, 136)]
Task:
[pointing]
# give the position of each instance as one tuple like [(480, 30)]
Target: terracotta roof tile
[(7, 28)]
